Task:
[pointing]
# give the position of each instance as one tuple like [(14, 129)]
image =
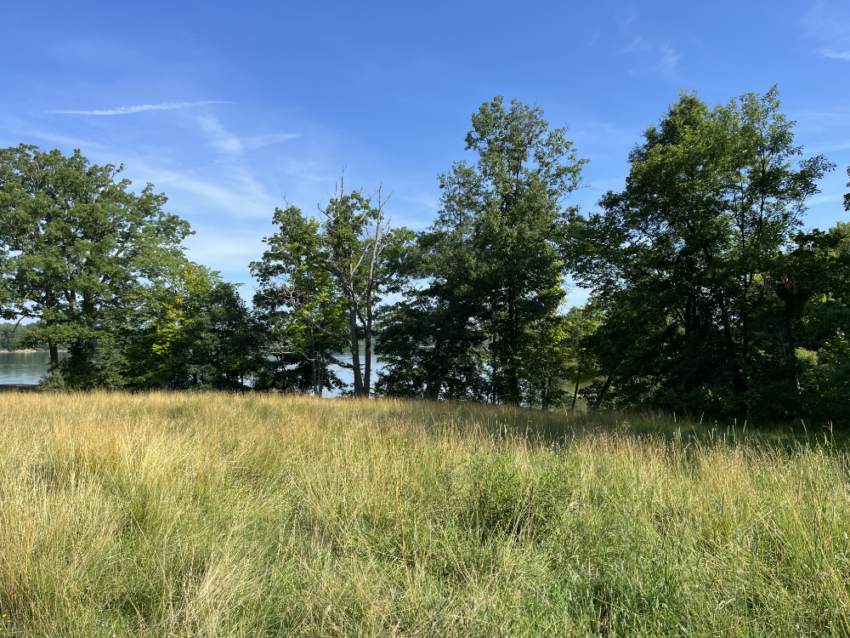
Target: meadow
[(264, 515)]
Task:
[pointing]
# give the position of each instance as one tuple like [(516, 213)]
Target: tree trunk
[(314, 366), (575, 393), (434, 382), (741, 370), (355, 352), (792, 344), (603, 392), (54, 354), (367, 355), (513, 346), (739, 381)]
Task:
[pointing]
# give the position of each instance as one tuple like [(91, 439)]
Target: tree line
[(709, 295)]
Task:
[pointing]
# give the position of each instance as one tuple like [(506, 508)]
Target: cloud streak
[(837, 55), (830, 25), (666, 58), (129, 110)]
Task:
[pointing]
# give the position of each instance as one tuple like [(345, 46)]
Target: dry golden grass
[(222, 515)]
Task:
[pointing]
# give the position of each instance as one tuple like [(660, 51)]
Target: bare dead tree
[(356, 271)]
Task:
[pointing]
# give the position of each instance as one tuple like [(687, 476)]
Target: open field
[(220, 515)]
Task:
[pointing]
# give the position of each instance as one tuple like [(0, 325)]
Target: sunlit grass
[(222, 515)]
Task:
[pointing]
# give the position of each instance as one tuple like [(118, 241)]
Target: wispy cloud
[(223, 140), (239, 178), (829, 25), (220, 138), (129, 110), (668, 59), (638, 44), (662, 58), (624, 20), (831, 53), (258, 141), (219, 195), (67, 142)]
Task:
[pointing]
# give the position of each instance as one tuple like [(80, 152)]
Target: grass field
[(219, 515)]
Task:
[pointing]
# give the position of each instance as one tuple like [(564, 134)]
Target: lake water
[(23, 367), (29, 367), (347, 375)]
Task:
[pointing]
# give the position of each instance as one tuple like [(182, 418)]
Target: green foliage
[(53, 381), (708, 299), (581, 324), (11, 335), (305, 317), (193, 330), (815, 293), (491, 262), (74, 244), (428, 342), (319, 284), (691, 265)]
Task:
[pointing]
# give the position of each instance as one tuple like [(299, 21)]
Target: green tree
[(429, 343), (191, 329), (545, 368), (814, 294), (319, 271), (12, 336), (74, 244), (684, 259), (582, 322), (492, 258), (301, 309)]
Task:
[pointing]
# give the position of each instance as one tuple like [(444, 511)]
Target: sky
[(232, 108)]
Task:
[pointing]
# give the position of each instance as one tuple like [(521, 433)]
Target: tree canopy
[(492, 265), (710, 296), (695, 256)]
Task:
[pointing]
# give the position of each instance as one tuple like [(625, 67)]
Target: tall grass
[(220, 515)]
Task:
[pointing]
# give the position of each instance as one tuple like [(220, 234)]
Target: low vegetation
[(269, 515)]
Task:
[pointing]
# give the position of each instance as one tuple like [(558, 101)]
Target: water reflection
[(24, 367)]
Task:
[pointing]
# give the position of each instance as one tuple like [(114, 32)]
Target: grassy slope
[(215, 515)]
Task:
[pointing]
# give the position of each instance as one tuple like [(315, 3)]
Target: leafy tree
[(491, 259), (74, 244), (319, 272), (545, 368), (193, 330), (428, 342), (814, 290), (219, 342), (684, 259), (581, 324), (302, 317)]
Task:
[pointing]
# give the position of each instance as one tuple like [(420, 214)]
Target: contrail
[(127, 110)]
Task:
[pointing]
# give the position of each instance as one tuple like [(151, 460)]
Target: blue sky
[(229, 107)]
